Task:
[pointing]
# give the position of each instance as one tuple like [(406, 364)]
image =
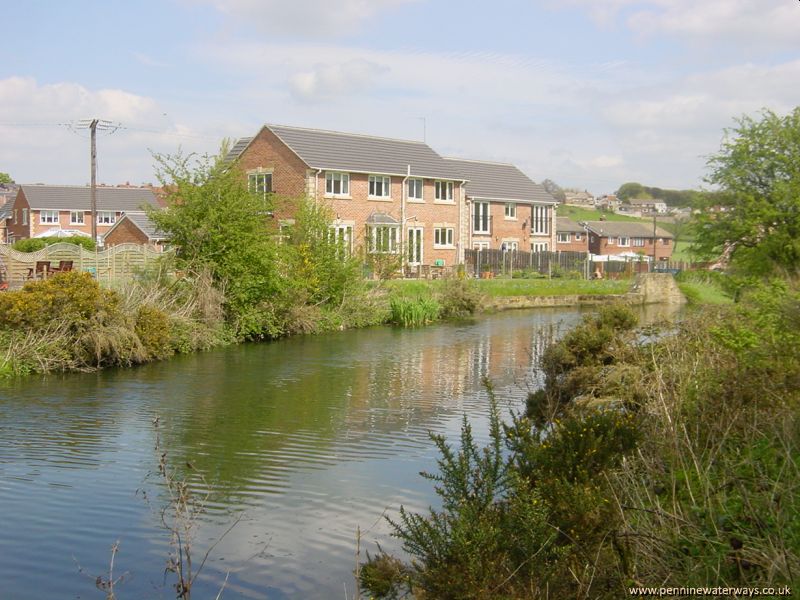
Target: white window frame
[(540, 246), (563, 238), (48, 217), (511, 245), (257, 182), (415, 186), (383, 239), (415, 241), (24, 216), (510, 211), (541, 219), (480, 246), (637, 242), (340, 177), (106, 217), (382, 184), (612, 240), (444, 237), (624, 242), (443, 191), (72, 217), (481, 215), (578, 237), (342, 233)]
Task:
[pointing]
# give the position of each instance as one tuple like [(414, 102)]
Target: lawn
[(501, 287), (703, 288)]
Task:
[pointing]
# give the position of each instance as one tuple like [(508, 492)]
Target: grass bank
[(495, 288), (705, 288)]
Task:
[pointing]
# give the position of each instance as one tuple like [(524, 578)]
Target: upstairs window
[(380, 186), (259, 183), (511, 210), (480, 217), (106, 217), (443, 191), (541, 220), (24, 216), (624, 241), (562, 238), (638, 242), (48, 217), (415, 189), (76, 217), (337, 184)]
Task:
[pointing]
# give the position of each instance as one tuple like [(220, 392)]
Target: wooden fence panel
[(116, 262)]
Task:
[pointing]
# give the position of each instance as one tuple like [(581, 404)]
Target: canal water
[(296, 443)]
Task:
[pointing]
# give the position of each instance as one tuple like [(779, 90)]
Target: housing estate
[(578, 198), (388, 195), (629, 238), (49, 210), (571, 236), (648, 205)]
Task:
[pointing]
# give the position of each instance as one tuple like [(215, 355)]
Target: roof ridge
[(361, 135), (485, 162), (86, 187)]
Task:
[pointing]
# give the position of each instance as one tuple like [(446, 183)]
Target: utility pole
[(654, 242), (93, 190), (93, 125)]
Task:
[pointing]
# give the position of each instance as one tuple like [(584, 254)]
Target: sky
[(588, 93)]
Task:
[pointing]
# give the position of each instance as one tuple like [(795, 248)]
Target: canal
[(301, 441)]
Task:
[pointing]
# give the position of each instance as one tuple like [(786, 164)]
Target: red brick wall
[(126, 233), (16, 229), (429, 213)]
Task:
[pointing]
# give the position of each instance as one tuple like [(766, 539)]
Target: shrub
[(153, 328), (459, 298)]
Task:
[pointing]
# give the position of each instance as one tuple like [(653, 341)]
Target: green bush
[(154, 330), (36, 244), (459, 298)]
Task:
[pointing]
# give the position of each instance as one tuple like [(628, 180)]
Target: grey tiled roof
[(379, 218), (65, 197), (567, 225), (5, 210), (499, 181), (144, 223), (336, 151), (626, 229)]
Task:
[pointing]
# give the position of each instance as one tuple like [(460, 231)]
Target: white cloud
[(324, 81), (309, 18), (743, 23), (40, 146)]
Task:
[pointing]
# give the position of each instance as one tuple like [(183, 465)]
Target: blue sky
[(589, 93)]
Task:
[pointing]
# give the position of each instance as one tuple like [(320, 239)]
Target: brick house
[(506, 208), (134, 228), (622, 237), (385, 195), (42, 209), (571, 236), (5, 219)]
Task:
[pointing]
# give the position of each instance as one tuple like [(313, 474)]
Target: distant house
[(5, 219), (579, 199), (648, 206), (609, 202), (507, 210), (135, 228), (571, 236), (629, 238), (39, 210)]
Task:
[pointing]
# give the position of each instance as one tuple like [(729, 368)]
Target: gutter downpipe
[(316, 184), (403, 192), (461, 205)]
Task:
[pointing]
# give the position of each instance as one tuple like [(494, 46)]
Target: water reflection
[(308, 438)]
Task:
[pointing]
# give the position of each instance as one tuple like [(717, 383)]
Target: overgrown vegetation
[(644, 461), (69, 322)]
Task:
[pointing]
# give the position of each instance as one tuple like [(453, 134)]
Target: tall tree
[(552, 188), (757, 171)]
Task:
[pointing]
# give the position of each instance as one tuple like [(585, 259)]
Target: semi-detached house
[(42, 210), (385, 195)]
